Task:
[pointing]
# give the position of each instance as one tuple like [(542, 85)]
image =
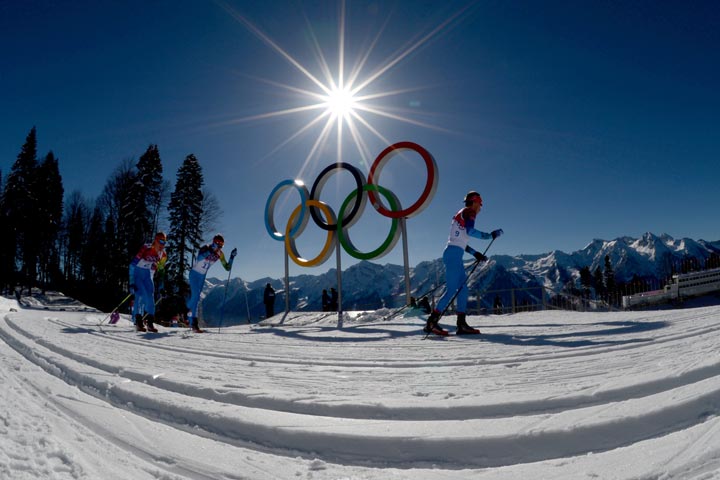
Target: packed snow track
[(552, 393)]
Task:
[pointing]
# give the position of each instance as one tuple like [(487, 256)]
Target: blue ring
[(270, 208)]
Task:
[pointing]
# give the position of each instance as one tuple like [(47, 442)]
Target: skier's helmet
[(161, 238), (219, 240), (471, 197)]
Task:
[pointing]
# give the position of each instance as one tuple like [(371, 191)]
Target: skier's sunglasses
[(161, 242)]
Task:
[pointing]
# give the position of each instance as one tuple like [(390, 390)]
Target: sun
[(341, 103), (342, 99)]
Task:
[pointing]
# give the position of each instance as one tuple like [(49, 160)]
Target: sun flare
[(341, 100)]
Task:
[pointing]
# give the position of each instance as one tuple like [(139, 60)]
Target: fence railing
[(514, 300)]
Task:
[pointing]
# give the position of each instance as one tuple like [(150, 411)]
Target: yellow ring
[(329, 243)]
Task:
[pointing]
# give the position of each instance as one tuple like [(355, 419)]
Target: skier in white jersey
[(462, 228)]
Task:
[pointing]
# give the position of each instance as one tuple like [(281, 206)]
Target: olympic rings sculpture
[(352, 208)]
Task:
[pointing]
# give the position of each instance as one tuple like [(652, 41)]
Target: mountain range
[(367, 285)]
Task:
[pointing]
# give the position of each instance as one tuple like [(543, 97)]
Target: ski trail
[(593, 406)]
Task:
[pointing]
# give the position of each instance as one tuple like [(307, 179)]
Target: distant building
[(681, 286)]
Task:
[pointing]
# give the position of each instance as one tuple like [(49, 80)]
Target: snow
[(552, 394)]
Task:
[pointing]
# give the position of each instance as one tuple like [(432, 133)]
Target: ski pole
[(227, 284), (156, 304), (427, 293), (462, 285), (247, 305), (116, 308)]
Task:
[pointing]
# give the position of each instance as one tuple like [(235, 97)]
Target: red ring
[(430, 184)]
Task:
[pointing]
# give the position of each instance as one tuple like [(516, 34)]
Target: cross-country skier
[(150, 259), (462, 228), (207, 255)]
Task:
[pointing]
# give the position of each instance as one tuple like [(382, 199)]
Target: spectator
[(497, 305), (269, 301), (425, 305), (333, 300), (325, 301)]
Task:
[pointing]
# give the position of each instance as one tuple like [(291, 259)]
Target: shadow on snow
[(374, 332)]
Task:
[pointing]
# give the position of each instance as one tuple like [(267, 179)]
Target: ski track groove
[(472, 361), (530, 419), (145, 457), (487, 411)]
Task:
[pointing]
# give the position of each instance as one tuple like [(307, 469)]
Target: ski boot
[(139, 323), (196, 327), (150, 324), (463, 328), (432, 325)]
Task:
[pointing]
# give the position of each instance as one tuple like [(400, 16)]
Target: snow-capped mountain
[(368, 285), (649, 256)]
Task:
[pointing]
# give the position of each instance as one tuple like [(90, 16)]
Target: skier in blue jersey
[(462, 228), (207, 255)]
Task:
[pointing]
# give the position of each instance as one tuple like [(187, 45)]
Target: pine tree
[(7, 257), (135, 216), (141, 207), (150, 175), (713, 261), (116, 260), (185, 212), (93, 259), (49, 218), (76, 222), (586, 280), (117, 228), (599, 282), (637, 285), (20, 207), (610, 283)]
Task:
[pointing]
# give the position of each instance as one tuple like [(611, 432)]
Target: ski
[(448, 334), (438, 331), (191, 333), (435, 331)]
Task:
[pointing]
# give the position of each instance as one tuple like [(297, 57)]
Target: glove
[(496, 233), (480, 257), (133, 287), (233, 254)]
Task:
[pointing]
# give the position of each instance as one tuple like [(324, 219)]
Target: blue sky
[(575, 120)]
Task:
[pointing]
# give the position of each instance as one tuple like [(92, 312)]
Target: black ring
[(320, 183)]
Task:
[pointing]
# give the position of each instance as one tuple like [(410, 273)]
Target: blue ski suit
[(462, 228), (207, 256), (150, 259)]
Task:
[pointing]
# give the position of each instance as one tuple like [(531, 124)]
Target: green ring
[(392, 237)]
